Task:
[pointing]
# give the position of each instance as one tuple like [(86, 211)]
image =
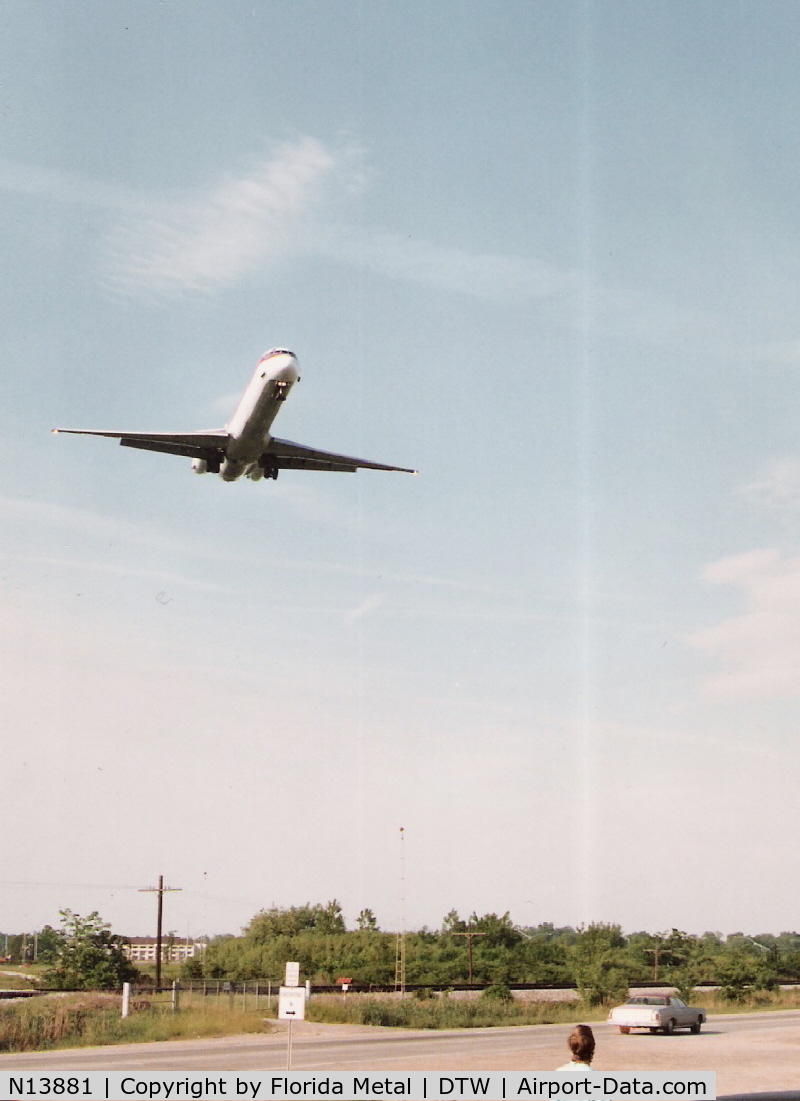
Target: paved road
[(749, 1052)]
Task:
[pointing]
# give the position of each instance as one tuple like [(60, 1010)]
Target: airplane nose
[(289, 369)]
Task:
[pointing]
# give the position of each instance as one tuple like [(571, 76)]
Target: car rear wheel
[(669, 1027), (624, 1029)]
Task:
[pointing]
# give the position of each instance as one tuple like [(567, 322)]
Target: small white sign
[(292, 974), (292, 1003)]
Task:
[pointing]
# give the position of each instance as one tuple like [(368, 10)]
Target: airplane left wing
[(296, 456), (196, 445)]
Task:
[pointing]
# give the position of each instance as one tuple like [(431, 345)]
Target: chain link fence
[(255, 995)]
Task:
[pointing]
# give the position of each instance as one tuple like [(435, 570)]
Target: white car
[(658, 1012)]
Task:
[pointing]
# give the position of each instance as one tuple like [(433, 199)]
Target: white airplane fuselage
[(248, 428)]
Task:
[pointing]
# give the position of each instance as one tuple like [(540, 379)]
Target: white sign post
[(291, 1004)]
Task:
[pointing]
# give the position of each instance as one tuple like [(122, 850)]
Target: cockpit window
[(277, 352)]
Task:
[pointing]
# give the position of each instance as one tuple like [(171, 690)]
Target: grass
[(95, 1020), (84, 1020), (18, 976), (437, 1013), (762, 1001)]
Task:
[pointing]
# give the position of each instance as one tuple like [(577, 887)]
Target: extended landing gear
[(213, 465), (270, 471)]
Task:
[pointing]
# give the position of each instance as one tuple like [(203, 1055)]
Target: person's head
[(581, 1043)]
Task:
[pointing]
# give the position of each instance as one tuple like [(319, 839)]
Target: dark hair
[(581, 1043)]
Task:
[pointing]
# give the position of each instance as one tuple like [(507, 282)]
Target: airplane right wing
[(297, 456), (196, 445)]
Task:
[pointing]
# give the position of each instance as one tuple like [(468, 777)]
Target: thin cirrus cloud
[(279, 208), (759, 649), (287, 205), (209, 242), (492, 276), (778, 491)]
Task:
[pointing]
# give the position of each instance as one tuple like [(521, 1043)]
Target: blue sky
[(545, 252)]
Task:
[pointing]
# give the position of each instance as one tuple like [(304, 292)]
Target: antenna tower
[(400, 946)]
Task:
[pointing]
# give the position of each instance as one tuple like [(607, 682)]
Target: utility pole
[(655, 953), (470, 936), (160, 889)]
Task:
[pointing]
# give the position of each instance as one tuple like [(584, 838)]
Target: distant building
[(173, 949)]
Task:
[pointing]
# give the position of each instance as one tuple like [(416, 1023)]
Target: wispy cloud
[(164, 577), (66, 187), (760, 648), (29, 515), (364, 608), (213, 240), (491, 276), (295, 202), (285, 204), (778, 491)]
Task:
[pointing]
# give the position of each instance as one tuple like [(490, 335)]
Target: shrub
[(497, 993)]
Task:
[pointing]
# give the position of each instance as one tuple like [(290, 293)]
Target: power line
[(86, 886)]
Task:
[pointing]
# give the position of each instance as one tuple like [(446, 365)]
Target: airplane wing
[(197, 445), (296, 456)]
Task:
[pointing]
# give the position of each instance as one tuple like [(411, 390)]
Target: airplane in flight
[(244, 446)]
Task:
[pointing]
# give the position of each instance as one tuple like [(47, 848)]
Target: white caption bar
[(492, 1086)]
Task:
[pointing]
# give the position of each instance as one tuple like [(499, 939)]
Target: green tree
[(48, 943), (296, 919), (600, 968), (742, 971), (366, 920), (497, 931), (88, 955), (542, 959), (452, 923)]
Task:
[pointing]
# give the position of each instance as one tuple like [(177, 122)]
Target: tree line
[(598, 960)]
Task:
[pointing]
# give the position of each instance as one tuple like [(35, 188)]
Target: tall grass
[(486, 1013), (95, 1020), (444, 1012), (717, 1002)]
